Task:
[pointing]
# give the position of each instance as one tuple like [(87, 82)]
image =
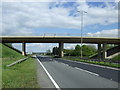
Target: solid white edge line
[(87, 71), (53, 81)]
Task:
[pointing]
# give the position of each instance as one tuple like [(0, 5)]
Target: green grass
[(22, 75), (0, 73), (95, 62), (0, 68), (116, 57), (9, 53)]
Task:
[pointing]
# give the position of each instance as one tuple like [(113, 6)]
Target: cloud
[(36, 47), (98, 14), (23, 18), (41, 47), (104, 33)]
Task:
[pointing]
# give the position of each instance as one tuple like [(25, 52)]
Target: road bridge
[(61, 40)]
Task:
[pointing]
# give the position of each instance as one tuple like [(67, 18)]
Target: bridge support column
[(104, 51), (99, 51), (61, 54), (24, 49)]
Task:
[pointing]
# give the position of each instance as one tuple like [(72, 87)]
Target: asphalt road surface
[(68, 74)]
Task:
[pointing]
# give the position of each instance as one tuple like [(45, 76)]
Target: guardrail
[(18, 61)]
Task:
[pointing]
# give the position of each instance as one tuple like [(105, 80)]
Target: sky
[(58, 19)]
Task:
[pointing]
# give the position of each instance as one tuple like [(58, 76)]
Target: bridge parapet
[(78, 35)]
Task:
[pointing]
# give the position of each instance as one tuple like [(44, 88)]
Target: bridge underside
[(61, 41)]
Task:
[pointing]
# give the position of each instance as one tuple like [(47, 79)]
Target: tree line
[(87, 50)]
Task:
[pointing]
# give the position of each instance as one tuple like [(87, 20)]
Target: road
[(68, 74)]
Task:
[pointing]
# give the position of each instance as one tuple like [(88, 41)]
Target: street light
[(81, 12)]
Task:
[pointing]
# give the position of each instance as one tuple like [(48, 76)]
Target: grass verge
[(116, 57), (95, 62), (0, 67), (0, 73), (21, 75)]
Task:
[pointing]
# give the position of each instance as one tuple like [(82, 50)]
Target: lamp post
[(81, 12)]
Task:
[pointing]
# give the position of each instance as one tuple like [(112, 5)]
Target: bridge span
[(58, 39), (61, 40)]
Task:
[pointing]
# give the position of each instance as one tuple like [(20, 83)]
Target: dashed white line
[(67, 64), (83, 70), (50, 59), (93, 64), (53, 81), (87, 71), (64, 64)]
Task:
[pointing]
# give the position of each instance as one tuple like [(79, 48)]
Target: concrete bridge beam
[(61, 45), (24, 49)]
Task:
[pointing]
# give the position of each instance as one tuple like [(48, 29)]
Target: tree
[(69, 52), (77, 50), (77, 47), (55, 51), (73, 52), (108, 46), (93, 48), (48, 52), (88, 50)]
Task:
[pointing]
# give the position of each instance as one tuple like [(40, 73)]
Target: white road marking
[(50, 59), (53, 81), (87, 71), (93, 64), (67, 64), (83, 70), (63, 63)]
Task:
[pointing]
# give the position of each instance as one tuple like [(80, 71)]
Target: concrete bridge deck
[(58, 39)]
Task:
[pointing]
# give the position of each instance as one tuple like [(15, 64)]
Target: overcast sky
[(60, 19)]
